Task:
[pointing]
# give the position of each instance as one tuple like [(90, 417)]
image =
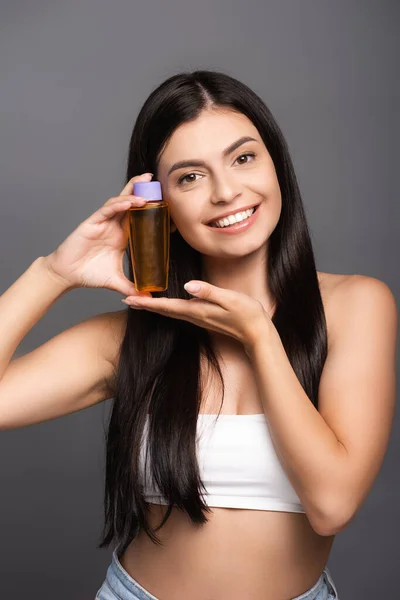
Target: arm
[(332, 456), (69, 372), (23, 304)]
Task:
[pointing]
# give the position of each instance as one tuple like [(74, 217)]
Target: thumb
[(128, 189), (127, 288)]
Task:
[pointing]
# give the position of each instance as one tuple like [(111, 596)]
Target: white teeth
[(236, 218)]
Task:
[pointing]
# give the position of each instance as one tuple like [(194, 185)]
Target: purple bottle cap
[(150, 190)]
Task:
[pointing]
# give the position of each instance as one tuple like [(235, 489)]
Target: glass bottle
[(149, 238)]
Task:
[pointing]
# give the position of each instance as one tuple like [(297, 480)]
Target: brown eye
[(251, 154), (182, 179)]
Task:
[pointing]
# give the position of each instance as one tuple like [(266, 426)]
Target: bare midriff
[(239, 553)]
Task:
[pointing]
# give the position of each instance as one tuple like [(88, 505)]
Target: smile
[(248, 217)]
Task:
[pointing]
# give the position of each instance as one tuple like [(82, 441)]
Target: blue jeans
[(119, 585)]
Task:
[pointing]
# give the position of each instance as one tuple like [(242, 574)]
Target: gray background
[(73, 77)]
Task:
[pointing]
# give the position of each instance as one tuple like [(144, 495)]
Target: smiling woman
[(243, 502), (250, 416), (233, 172)]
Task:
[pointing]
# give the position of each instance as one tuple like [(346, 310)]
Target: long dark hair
[(158, 374)]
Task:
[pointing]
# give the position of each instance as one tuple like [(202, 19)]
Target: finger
[(169, 306), (141, 303), (128, 189), (108, 211), (209, 292), (125, 198), (126, 287)]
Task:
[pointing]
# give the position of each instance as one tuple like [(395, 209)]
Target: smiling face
[(224, 171)]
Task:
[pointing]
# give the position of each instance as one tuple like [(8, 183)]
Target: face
[(218, 179)]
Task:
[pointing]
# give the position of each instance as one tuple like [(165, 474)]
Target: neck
[(247, 274)]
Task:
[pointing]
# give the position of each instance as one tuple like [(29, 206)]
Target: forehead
[(208, 135)]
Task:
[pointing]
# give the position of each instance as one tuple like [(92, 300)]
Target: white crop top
[(238, 465)]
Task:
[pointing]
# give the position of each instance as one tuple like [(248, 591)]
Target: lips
[(232, 212)]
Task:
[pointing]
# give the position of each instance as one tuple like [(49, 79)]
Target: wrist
[(262, 334), (42, 263)]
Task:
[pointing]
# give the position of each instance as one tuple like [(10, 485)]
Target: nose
[(225, 188)]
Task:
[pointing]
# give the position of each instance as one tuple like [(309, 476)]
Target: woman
[(264, 400)]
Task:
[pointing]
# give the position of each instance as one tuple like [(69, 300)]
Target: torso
[(238, 553)]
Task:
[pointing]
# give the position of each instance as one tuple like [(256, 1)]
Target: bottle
[(149, 238)]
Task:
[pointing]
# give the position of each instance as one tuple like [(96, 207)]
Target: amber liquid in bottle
[(149, 242)]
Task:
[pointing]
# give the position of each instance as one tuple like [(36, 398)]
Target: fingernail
[(192, 287)]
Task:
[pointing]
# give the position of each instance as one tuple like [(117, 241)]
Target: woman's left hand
[(225, 311)]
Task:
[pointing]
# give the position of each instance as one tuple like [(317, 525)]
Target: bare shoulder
[(330, 282), (348, 296), (330, 285)]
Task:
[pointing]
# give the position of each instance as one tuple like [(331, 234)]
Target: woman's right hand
[(92, 255)]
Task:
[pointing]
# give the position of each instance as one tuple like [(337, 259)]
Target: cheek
[(269, 183), (184, 217), (185, 209), (267, 189), (188, 219)]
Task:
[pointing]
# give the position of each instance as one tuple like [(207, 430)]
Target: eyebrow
[(200, 163)]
